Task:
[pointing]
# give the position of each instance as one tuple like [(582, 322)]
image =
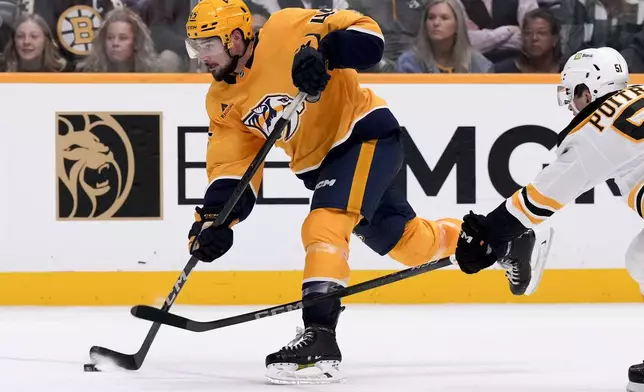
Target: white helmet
[(602, 70)]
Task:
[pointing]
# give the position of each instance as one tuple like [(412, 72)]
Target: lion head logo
[(95, 165), (264, 116)]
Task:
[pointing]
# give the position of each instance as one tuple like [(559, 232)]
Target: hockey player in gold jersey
[(344, 144)]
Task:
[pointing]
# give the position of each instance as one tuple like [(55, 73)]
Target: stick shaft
[(134, 362), (154, 314)]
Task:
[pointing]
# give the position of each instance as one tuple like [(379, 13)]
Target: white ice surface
[(452, 348)]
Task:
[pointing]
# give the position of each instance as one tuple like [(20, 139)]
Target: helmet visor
[(564, 95), (203, 47)]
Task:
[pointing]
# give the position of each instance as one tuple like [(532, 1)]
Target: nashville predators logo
[(77, 28), (264, 116), (95, 165)]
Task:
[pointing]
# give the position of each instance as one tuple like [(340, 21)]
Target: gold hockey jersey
[(244, 111)]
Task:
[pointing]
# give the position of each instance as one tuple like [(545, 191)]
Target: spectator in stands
[(399, 21), (275, 5), (74, 23), (595, 23), (9, 11), (260, 15), (123, 44), (32, 48), (258, 22), (541, 51), (443, 45), (634, 54), (314, 4), (494, 26), (166, 20)]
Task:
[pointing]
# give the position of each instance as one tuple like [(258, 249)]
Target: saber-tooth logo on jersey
[(108, 165), (264, 116)]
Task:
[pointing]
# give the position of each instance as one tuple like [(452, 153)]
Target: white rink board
[(588, 236)]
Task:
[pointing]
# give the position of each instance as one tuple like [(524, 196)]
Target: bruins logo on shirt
[(77, 28), (108, 165), (264, 116)]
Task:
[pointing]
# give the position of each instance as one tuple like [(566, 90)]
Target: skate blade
[(634, 387), (543, 244), (324, 372)]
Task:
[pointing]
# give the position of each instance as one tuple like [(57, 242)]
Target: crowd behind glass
[(422, 36)]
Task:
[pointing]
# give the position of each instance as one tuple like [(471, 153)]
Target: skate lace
[(302, 339), (512, 273)]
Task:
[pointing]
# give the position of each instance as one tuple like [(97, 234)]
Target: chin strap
[(235, 58)]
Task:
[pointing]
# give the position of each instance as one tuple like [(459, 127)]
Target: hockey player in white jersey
[(603, 141)]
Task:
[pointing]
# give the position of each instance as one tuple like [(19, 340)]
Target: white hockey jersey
[(604, 141)]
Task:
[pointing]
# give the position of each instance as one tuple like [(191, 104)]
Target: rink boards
[(101, 174)]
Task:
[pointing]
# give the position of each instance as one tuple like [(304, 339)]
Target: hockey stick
[(153, 314), (159, 316), (134, 361)]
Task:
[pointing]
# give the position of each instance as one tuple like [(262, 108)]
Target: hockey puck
[(90, 367)]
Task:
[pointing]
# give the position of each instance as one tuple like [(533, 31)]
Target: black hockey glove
[(212, 242), (473, 250), (309, 71)]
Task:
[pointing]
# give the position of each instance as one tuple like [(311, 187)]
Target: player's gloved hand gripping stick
[(134, 361)]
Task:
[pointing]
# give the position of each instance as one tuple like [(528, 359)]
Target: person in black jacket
[(8, 14), (166, 20), (541, 47), (634, 54)]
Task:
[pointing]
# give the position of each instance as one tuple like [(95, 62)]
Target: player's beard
[(227, 70)]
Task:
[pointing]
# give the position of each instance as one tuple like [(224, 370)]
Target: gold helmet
[(219, 18)]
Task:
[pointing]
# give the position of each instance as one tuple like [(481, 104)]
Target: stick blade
[(126, 361), (156, 315)]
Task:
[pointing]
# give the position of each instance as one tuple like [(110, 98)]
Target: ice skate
[(636, 378), (524, 260), (313, 357)]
